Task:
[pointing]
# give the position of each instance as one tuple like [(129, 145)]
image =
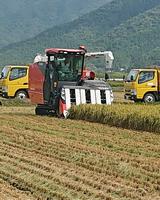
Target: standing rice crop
[(132, 116)]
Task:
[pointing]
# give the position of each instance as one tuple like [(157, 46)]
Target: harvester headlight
[(66, 113), (63, 96)]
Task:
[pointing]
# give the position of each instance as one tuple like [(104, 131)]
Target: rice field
[(45, 158), (132, 116)]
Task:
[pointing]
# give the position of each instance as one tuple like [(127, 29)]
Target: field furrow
[(49, 158)]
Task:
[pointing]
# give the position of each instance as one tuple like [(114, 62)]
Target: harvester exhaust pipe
[(109, 61)]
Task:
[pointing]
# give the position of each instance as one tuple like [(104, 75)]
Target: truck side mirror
[(2, 75), (132, 78)]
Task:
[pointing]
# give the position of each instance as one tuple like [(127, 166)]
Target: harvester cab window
[(69, 67), (17, 73), (145, 76)]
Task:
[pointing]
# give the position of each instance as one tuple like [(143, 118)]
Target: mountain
[(130, 28), (23, 19), (136, 42)]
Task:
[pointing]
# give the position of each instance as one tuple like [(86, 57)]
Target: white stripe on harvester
[(78, 97), (83, 96), (98, 97), (93, 97), (68, 98), (108, 97)]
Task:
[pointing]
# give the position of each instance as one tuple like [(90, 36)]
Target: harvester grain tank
[(106, 55)]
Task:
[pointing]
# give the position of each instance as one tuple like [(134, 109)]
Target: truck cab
[(14, 82), (143, 85)]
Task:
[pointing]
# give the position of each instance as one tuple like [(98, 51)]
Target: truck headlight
[(63, 96), (4, 89), (133, 92)]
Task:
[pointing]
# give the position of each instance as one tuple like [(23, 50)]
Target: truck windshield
[(132, 76), (4, 72), (68, 67)]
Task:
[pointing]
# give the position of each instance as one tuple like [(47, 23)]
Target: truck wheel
[(21, 95), (149, 98)]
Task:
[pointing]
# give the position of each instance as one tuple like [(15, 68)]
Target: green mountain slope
[(23, 19), (136, 42), (127, 27)]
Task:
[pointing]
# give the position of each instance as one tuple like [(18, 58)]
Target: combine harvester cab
[(56, 83)]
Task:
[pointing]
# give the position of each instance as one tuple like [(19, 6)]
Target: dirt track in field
[(49, 158)]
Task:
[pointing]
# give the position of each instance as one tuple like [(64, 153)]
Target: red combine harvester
[(57, 81)]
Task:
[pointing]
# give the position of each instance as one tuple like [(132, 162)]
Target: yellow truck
[(14, 82), (143, 85)]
